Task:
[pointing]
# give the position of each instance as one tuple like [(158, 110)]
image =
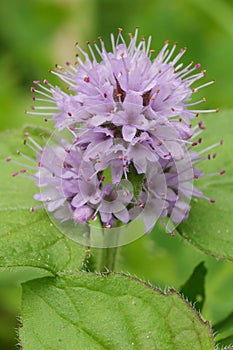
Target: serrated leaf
[(194, 288), (87, 311), (30, 245), (209, 226)]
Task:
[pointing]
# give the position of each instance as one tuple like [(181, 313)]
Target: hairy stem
[(108, 254), (107, 259)]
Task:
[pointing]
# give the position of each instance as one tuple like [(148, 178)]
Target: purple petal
[(82, 214), (185, 132), (151, 213), (123, 215), (179, 212), (128, 132)]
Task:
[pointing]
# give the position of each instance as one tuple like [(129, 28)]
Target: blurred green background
[(36, 34)]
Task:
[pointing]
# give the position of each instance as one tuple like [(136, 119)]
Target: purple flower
[(72, 188), (132, 151), (75, 185), (126, 88)]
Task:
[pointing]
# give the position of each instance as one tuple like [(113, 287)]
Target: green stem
[(101, 259), (107, 259), (108, 255), (88, 263)]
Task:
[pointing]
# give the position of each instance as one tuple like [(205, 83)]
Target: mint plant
[(122, 157)]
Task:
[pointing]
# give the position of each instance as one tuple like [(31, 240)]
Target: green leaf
[(209, 226), (30, 244), (226, 342), (224, 330), (87, 311), (194, 288)]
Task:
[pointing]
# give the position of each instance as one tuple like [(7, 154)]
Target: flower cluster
[(131, 149)]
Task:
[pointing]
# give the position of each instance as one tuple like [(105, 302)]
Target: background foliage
[(36, 34)]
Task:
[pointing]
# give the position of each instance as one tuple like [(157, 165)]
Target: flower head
[(132, 151), (124, 87)]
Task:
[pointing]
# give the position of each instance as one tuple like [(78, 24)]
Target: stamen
[(32, 209), (44, 107), (24, 165), (171, 52), (71, 82), (98, 50), (201, 126), (15, 174), (26, 156), (113, 42), (210, 147), (197, 102), (178, 57), (92, 52), (40, 114), (148, 45), (203, 86), (33, 141), (185, 69), (204, 111)]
